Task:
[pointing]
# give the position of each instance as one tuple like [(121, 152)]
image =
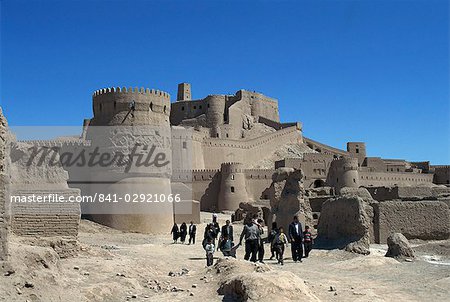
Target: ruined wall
[(287, 198), (427, 220), (346, 221), (4, 180), (402, 193), (53, 215), (56, 219)]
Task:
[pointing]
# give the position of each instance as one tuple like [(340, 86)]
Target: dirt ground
[(117, 266)]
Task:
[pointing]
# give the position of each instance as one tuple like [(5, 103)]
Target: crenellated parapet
[(58, 143), (112, 105), (232, 167), (131, 90), (259, 173)]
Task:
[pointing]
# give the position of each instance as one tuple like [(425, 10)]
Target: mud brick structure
[(57, 219), (225, 148), (427, 220), (4, 219)]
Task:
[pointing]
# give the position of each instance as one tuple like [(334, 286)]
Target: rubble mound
[(63, 246), (399, 247), (364, 262), (34, 273), (269, 286), (230, 266)]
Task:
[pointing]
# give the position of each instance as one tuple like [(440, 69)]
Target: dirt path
[(116, 266)]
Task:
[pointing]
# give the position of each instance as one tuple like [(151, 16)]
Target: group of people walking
[(301, 241), (225, 241), (296, 236), (182, 231)]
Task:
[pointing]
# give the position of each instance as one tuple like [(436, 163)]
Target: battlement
[(110, 105), (346, 163), (58, 143), (131, 90), (259, 173), (232, 167)]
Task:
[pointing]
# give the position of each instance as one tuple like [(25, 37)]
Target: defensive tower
[(232, 187), (344, 173), (134, 124), (184, 92)]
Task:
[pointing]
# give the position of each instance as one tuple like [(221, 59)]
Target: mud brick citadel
[(230, 153)]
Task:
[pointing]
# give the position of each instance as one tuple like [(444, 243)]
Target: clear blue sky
[(373, 71)]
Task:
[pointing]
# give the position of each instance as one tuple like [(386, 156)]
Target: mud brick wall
[(3, 187), (3, 221), (427, 220), (46, 219)]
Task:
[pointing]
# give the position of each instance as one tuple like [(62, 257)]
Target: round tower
[(131, 131), (215, 113), (232, 187), (344, 173), (114, 107)]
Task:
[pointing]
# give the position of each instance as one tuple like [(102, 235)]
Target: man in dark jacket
[(192, 232), (227, 230), (216, 226), (210, 233), (296, 238)]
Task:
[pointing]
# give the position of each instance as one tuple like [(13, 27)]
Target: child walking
[(279, 244), (307, 241), (209, 248)]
